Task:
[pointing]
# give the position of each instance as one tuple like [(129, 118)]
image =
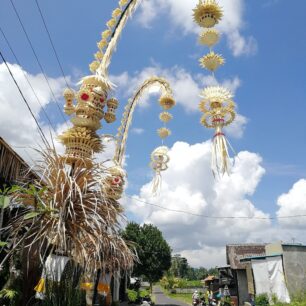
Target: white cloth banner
[(277, 279), (269, 278), (54, 267)]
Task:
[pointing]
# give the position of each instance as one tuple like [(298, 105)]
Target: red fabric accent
[(219, 134), (101, 100), (218, 120), (84, 96)]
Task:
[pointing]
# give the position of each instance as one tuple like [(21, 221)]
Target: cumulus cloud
[(17, 125), (180, 15), (188, 185), (293, 203)]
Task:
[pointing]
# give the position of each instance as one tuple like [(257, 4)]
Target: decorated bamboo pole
[(217, 105)]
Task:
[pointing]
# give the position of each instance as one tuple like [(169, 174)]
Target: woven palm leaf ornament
[(92, 102), (159, 157), (217, 103)]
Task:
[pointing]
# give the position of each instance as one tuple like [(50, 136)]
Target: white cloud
[(180, 15), (18, 127), (237, 128), (291, 204), (188, 185), (137, 131)]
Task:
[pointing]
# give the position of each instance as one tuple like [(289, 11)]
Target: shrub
[(132, 295), (144, 293), (262, 300)]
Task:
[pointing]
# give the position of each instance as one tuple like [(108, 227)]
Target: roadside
[(162, 299)]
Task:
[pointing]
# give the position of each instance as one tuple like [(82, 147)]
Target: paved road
[(161, 299)]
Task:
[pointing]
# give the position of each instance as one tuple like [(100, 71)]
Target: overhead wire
[(44, 139), (51, 42), (38, 61), (27, 79), (214, 217)]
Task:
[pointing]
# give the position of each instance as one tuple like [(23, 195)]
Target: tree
[(179, 266), (153, 251)]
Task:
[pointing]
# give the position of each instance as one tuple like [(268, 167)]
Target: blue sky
[(270, 68)]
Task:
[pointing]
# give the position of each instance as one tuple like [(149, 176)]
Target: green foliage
[(153, 251), (144, 293), (262, 300), (8, 294), (132, 295), (169, 282), (298, 300)]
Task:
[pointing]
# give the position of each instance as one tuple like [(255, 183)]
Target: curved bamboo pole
[(128, 11), (126, 121)]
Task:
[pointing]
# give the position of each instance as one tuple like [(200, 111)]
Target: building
[(13, 168), (234, 254), (275, 269)]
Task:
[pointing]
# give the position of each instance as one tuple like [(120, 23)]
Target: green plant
[(9, 295), (144, 293), (132, 295), (262, 300)]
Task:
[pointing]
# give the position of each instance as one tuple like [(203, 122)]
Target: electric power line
[(215, 217), (38, 61), (27, 79), (44, 139), (51, 41)]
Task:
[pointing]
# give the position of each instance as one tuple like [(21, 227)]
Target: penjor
[(217, 103)]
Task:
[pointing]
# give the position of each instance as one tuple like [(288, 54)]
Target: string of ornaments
[(160, 157), (217, 103)]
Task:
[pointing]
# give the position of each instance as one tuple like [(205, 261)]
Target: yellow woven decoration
[(106, 34), (110, 117), (116, 13), (209, 37), (80, 143), (165, 117), (99, 55), (163, 132), (216, 94), (111, 23), (207, 13), (113, 184), (102, 43), (212, 61), (123, 2), (167, 102), (69, 97), (112, 103), (94, 66), (218, 108)]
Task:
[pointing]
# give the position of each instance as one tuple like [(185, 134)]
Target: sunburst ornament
[(212, 61), (207, 13), (165, 117), (163, 132), (209, 37), (167, 102)]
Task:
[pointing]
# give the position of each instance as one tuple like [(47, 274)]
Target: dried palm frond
[(69, 213)]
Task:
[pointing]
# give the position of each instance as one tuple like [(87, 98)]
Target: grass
[(184, 297)]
